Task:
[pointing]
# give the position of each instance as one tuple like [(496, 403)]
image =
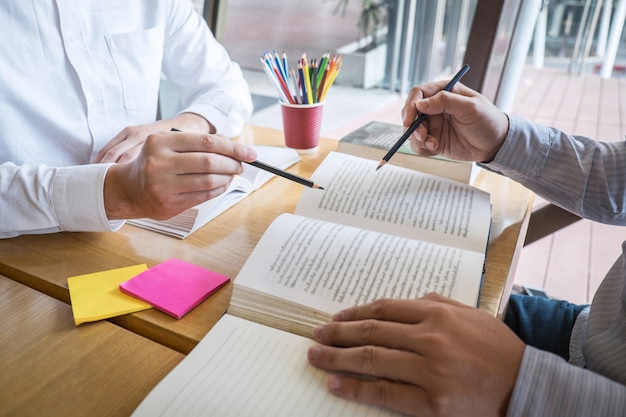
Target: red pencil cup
[(301, 126)]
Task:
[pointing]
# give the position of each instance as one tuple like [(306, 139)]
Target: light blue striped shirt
[(588, 178)]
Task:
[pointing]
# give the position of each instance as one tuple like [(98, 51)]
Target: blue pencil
[(305, 99), (279, 65)]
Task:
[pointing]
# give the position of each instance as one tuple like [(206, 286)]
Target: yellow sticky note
[(97, 296)]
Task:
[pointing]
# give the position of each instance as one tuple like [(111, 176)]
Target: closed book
[(374, 139)]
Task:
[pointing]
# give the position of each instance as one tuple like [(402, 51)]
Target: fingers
[(424, 144), (447, 102), (192, 186), (117, 148), (432, 99), (180, 202), (409, 111), (192, 167), (367, 332), (405, 398), (192, 153), (388, 323), (373, 361), (433, 296), (194, 142), (402, 311), (125, 146), (422, 99), (122, 153)]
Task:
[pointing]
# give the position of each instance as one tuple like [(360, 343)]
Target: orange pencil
[(331, 77)]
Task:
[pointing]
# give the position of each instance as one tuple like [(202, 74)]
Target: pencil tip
[(383, 162)]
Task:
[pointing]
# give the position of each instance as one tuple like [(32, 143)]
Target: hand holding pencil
[(420, 119), (277, 171), (462, 126)]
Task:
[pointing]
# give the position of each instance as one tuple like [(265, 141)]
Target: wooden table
[(50, 367), (44, 262)]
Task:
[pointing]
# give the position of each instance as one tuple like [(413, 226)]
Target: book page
[(244, 369), (279, 157), (398, 201), (327, 266)]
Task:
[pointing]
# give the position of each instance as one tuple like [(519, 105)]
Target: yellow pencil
[(307, 79)]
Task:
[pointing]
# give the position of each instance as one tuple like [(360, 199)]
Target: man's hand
[(173, 172), (126, 145), (461, 124), (427, 357)]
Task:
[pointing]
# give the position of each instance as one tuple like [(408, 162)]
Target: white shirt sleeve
[(40, 199), (208, 82)]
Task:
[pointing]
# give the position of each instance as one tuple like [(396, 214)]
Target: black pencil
[(278, 171), (284, 174), (420, 119)]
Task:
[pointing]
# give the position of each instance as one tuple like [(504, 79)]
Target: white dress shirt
[(588, 178), (73, 74)]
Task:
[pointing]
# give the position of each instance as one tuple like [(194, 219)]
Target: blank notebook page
[(242, 368)]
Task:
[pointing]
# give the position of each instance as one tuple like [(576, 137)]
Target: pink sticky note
[(174, 286)]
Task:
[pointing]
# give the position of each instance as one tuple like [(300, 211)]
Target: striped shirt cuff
[(549, 386)]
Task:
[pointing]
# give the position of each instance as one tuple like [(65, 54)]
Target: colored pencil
[(269, 72), (307, 80), (305, 99), (283, 86), (294, 80), (322, 69), (306, 84)]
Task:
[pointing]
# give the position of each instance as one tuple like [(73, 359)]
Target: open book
[(187, 222), (374, 139), (394, 233)]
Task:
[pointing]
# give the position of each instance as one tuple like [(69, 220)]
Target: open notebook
[(243, 369)]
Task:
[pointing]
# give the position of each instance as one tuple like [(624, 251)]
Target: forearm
[(547, 385), (573, 172)]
